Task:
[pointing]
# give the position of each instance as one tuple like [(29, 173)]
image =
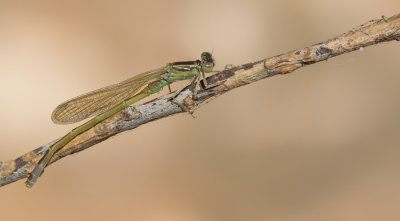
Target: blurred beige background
[(319, 144)]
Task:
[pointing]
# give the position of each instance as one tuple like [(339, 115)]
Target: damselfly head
[(207, 62)]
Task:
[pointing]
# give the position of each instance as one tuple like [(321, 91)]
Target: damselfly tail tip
[(29, 184)]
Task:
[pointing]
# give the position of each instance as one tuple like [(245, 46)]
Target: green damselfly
[(107, 101)]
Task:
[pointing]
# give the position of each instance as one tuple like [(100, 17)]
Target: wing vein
[(100, 100)]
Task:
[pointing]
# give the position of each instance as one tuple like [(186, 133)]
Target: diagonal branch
[(370, 33)]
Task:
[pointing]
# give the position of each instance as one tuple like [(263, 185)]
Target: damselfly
[(107, 101)]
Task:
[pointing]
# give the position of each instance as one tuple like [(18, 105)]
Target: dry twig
[(370, 33)]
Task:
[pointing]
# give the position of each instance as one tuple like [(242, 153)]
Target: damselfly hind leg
[(176, 93)]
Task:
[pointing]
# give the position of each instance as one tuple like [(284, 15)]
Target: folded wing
[(98, 101)]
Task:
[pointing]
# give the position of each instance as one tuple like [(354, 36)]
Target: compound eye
[(206, 56)]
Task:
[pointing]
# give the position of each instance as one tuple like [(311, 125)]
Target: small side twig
[(370, 33)]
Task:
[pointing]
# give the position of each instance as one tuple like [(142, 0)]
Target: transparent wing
[(100, 100)]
